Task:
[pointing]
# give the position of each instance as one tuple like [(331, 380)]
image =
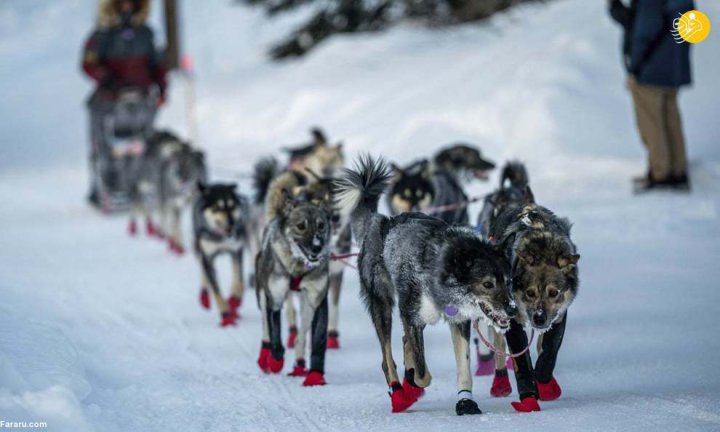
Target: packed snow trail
[(99, 331)]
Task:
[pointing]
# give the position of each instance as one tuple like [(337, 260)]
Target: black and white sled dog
[(170, 170), (437, 271), (544, 274), (436, 187), (220, 217), (294, 256)]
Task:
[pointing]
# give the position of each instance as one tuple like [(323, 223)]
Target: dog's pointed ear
[(339, 146), (318, 135), (201, 187), (397, 172), (425, 169), (288, 200), (565, 261), (528, 195)]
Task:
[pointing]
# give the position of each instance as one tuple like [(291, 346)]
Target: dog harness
[(295, 283)]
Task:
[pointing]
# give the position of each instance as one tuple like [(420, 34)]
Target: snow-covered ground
[(102, 332)]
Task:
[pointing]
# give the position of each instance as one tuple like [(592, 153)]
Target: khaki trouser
[(658, 120)]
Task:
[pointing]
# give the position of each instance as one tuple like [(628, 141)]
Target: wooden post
[(172, 51)]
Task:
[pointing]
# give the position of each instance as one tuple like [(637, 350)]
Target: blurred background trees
[(350, 16)]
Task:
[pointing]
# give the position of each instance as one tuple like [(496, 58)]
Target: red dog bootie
[(399, 399), (150, 228), (550, 390), (228, 319), (175, 247), (299, 370), (132, 227), (234, 303), (314, 378), (501, 384), (528, 404), (275, 365), (332, 340), (292, 335), (262, 360), (204, 298), (486, 364), (412, 391)]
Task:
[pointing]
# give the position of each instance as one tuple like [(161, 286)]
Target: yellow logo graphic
[(692, 26)]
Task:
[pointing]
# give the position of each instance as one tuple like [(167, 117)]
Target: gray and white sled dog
[(220, 217), (321, 193), (144, 191), (435, 270), (544, 274), (271, 181), (310, 173), (513, 191), (294, 256), (437, 186), (169, 172)]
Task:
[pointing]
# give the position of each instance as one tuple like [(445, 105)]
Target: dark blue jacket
[(651, 54)]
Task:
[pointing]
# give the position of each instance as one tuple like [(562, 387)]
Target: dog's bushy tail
[(357, 191), (264, 171), (516, 174), (318, 135)]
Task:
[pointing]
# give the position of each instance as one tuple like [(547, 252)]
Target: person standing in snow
[(119, 54), (657, 67)]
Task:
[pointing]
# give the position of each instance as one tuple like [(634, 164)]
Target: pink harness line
[(491, 347)]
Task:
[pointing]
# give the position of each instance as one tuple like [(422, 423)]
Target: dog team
[(514, 272)]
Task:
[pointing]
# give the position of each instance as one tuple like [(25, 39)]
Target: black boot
[(650, 184), (680, 183)]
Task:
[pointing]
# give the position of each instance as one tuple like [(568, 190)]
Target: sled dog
[(220, 226), (436, 271)]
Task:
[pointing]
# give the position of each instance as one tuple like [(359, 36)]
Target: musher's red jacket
[(117, 56)]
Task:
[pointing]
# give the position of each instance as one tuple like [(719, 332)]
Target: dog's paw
[(314, 378), (411, 390), (485, 366), (228, 319), (399, 399), (132, 228), (292, 335), (175, 247), (550, 390), (467, 407), (262, 360), (299, 370), (204, 298), (501, 385), (150, 229), (333, 341), (234, 303), (275, 365), (528, 404)]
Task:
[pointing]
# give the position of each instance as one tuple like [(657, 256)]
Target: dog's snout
[(539, 318), (317, 246), (511, 309)]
